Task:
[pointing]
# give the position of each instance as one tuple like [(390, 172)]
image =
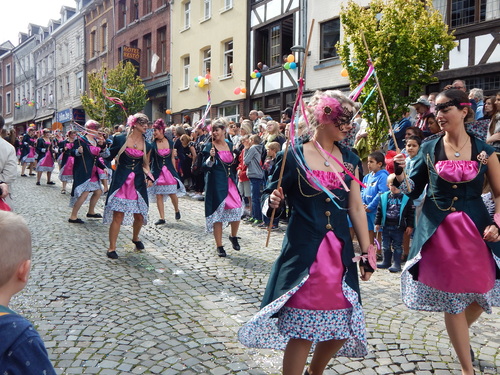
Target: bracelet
[(366, 265)]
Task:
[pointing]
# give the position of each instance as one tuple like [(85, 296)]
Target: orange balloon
[(290, 58), (344, 72), (168, 111), (243, 90)]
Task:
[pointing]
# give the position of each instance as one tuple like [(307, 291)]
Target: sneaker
[(201, 198), (256, 222), (262, 225)]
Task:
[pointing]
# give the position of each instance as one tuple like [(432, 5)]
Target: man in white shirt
[(8, 167)]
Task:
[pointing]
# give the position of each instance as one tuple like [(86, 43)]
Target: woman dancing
[(45, 156), (312, 297), (454, 260), (86, 152), (28, 152), (223, 203), (166, 180), (127, 201), (66, 160)]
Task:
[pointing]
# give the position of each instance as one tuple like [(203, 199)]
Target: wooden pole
[(285, 153), (386, 112)]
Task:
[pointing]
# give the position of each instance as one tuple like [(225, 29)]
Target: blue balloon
[(293, 65)]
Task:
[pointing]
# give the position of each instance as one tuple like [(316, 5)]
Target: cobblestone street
[(176, 307)]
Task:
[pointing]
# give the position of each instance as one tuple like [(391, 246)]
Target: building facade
[(24, 79), (143, 38), (7, 83), (209, 59), (70, 67)]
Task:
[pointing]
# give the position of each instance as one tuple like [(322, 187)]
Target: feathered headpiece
[(327, 110), (159, 125)]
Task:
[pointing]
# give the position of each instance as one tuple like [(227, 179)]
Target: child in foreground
[(21, 349)]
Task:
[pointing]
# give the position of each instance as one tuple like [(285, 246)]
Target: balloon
[(293, 65), (290, 58), (286, 66), (243, 90), (196, 79), (344, 72), (237, 91), (258, 74), (202, 81), (201, 84), (168, 111), (253, 75), (208, 76), (256, 71)]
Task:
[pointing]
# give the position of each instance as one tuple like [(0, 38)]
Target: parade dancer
[(167, 182), (223, 203), (312, 299), (45, 151), (66, 160), (86, 151), (28, 152), (127, 201), (454, 260)]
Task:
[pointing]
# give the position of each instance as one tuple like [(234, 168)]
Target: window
[(93, 44), (104, 37), (230, 112), (187, 15), (122, 19), (8, 105), (228, 58), (162, 49), (78, 46), (186, 72), (136, 10), (459, 13), (330, 35), (228, 4), (207, 61), (149, 53), (60, 83), (79, 83), (67, 85), (274, 41), (207, 9), (8, 73), (148, 6)]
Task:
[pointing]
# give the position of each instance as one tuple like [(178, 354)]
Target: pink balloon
[(237, 91)]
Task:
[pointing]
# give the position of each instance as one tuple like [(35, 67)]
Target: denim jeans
[(392, 235), (256, 186)]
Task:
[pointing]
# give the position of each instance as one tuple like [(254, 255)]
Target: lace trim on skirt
[(221, 215), (128, 206), (80, 189)]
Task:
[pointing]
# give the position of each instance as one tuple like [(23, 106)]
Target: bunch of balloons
[(256, 74), (31, 103), (290, 62), (239, 90), (202, 81)]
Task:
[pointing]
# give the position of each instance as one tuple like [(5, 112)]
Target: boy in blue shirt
[(21, 349), (396, 216)]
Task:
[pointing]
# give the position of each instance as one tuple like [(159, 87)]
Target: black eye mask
[(451, 103)]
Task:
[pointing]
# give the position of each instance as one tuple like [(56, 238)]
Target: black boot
[(396, 266), (221, 252), (234, 241), (386, 263)]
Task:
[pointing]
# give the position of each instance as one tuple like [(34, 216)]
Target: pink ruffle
[(164, 152), (457, 170), (226, 156), (326, 178), (94, 150), (134, 152)]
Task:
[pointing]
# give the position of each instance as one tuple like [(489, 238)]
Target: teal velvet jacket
[(313, 214), (157, 161), (444, 197), (216, 176)]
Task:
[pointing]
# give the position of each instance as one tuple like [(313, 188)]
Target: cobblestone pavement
[(176, 307)]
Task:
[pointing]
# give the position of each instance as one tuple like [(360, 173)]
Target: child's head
[(376, 161), (390, 184), (413, 145), (413, 130), (15, 252), (255, 139), (272, 149)]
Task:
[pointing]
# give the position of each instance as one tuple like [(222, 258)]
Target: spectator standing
[(478, 97), (253, 160), (8, 164), (395, 215)]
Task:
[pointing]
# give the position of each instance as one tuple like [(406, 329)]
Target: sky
[(17, 14)]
